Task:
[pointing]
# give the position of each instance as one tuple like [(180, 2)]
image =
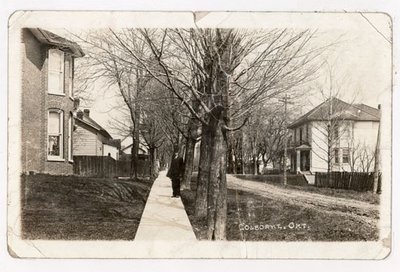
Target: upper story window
[(301, 133), (346, 131), (56, 72), (55, 135), (307, 136), (69, 64), (336, 131)]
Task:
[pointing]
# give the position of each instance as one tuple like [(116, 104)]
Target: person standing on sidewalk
[(175, 173)]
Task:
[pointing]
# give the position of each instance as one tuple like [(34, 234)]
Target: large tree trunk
[(135, 151), (203, 173), (254, 165), (231, 152), (189, 157), (153, 163), (189, 150), (243, 171), (217, 192)]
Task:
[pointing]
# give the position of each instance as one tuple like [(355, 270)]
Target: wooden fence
[(357, 181), (105, 167)]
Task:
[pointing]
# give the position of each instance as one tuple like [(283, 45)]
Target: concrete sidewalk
[(164, 218)]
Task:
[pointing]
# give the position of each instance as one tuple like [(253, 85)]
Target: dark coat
[(176, 168)]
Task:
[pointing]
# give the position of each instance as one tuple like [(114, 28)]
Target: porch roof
[(303, 147)]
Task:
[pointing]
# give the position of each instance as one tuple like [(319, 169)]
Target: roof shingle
[(340, 109)]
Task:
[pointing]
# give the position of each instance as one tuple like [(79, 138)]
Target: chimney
[(76, 103), (79, 114), (379, 106), (86, 112)]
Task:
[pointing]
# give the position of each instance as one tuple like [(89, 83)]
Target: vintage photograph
[(276, 129)]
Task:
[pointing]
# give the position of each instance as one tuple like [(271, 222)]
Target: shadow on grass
[(80, 208), (256, 218)]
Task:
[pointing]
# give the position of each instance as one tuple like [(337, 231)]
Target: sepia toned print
[(181, 138)]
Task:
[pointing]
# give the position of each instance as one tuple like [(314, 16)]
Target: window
[(336, 155), (69, 75), (301, 134), (70, 128), (345, 155), (307, 140), (56, 72), (55, 135), (346, 132), (335, 131)]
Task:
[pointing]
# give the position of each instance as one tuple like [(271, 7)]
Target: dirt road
[(361, 211)]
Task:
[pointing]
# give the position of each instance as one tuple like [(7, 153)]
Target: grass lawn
[(80, 208), (350, 194), (279, 220)]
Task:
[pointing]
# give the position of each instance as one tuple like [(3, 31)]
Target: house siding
[(85, 140), (35, 104), (99, 144), (364, 133), (319, 148), (114, 152)]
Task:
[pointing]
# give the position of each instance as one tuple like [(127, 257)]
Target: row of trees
[(217, 86)]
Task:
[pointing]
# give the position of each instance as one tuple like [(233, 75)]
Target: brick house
[(47, 101), (91, 139), (354, 134)]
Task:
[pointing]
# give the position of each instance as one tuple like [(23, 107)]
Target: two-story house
[(47, 101), (336, 134), (91, 139)]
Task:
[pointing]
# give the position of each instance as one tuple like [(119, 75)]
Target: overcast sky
[(360, 64)]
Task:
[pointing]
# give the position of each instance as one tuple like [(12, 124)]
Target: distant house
[(126, 147), (47, 101), (353, 137), (90, 139)]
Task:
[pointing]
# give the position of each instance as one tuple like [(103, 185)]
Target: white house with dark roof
[(353, 137), (91, 139)]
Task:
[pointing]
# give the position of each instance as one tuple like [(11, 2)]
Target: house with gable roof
[(91, 139)]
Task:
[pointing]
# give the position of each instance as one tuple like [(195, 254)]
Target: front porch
[(300, 158)]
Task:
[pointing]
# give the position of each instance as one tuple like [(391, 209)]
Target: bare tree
[(362, 157), (333, 120), (105, 62), (228, 73)]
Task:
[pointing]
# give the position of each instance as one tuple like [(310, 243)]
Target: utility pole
[(377, 166), (285, 101)]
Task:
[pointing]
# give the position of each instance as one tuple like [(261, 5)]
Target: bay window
[(70, 128), (69, 75), (56, 72), (55, 135)]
